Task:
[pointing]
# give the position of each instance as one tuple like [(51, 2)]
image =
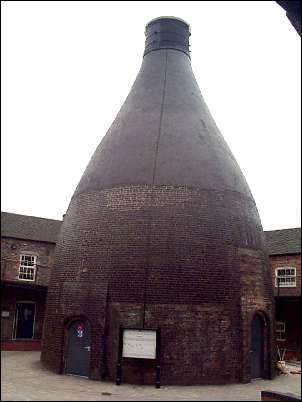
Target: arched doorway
[(78, 348), (257, 347)]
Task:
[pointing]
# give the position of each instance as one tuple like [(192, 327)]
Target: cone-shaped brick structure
[(162, 232)]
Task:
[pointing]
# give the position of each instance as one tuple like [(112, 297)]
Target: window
[(27, 269), (286, 276), (280, 331)]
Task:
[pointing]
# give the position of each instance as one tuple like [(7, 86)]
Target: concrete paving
[(24, 379)]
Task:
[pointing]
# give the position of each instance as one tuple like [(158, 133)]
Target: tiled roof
[(284, 241), (29, 227)]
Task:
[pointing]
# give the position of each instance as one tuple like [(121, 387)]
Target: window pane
[(27, 268)]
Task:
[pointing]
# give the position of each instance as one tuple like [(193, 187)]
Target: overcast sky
[(67, 67)]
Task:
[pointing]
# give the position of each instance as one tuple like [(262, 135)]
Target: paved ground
[(24, 379)]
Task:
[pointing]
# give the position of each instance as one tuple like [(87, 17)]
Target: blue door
[(78, 353)]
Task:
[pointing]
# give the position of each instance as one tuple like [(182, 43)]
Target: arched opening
[(77, 351), (257, 347)]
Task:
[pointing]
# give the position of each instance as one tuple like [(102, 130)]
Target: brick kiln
[(162, 233)]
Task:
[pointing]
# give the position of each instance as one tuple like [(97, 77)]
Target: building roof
[(284, 241), (29, 227)]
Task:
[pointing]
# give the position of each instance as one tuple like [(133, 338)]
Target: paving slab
[(23, 378)]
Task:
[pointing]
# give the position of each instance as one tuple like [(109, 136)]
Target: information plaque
[(139, 344), (4, 314)]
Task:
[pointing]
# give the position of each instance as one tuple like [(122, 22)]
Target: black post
[(157, 363), (119, 361)]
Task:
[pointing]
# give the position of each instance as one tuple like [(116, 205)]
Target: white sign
[(4, 314), (139, 344)]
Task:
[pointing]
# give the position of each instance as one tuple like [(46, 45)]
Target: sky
[(67, 68)]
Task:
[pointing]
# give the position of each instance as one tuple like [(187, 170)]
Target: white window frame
[(281, 331), (28, 268), (285, 284)]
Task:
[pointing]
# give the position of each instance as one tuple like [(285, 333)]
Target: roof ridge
[(31, 216)]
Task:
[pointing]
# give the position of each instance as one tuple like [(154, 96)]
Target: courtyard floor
[(24, 379)]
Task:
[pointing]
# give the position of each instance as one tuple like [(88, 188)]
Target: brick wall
[(171, 257), (12, 248), (10, 258), (256, 293), (28, 345), (9, 298), (288, 306), (293, 260), (286, 311)]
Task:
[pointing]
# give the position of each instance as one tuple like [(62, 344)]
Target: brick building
[(36, 238), (285, 257), (27, 252)]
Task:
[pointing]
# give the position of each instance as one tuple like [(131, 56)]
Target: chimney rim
[(168, 17)]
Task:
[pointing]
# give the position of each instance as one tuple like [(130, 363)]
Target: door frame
[(15, 323), (67, 324)]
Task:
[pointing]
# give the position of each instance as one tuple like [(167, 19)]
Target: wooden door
[(257, 347)]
